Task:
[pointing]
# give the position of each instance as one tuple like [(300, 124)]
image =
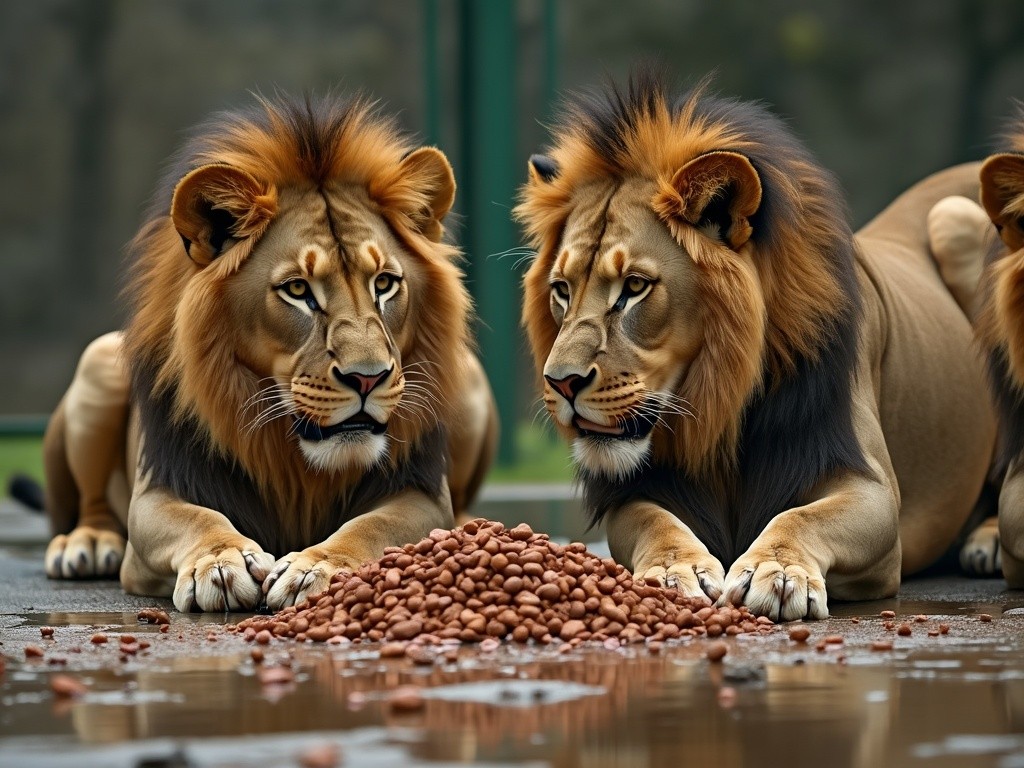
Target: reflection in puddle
[(936, 702)]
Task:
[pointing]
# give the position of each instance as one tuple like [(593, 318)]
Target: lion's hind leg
[(959, 237), (83, 447)]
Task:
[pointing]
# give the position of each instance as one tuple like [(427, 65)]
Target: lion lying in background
[(983, 246), (764, 409), (303, 389)]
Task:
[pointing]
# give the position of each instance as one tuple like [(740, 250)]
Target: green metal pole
[(488, 179), (431, 74)]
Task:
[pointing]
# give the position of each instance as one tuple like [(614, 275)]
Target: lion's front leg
[(212, 565), (849, 538), (403, 519), (655, 544)]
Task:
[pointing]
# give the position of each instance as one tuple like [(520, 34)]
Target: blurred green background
[(96, 94)]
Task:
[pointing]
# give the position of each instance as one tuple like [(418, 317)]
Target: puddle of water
[(944, 701)]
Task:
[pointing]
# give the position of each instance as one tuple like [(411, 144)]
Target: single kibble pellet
[(881, 645), (799, 634), (486, 583), (903, 630), (834, 639), (257, 655), (33, 652), (716, 651), (98, 639), (943, 629), (888, 614), (46, 631), (984, 617), (920, 618), (67, 687)]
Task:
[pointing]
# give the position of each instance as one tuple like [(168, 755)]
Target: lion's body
[(748, 386), (985, 245), (299, 368)]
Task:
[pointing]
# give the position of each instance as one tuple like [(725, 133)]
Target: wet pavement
[(193, 695)]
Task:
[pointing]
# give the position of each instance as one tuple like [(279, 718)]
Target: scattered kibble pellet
[(834, 639), (881, 645), (154, 616), (263, 637), (888, 614), (943, 629), (275, 675), (485, 581), (65, 686), (257, 655), (920, 618), (799, 634), (984, 617), (903, 629), (715, 652), (98, 639), (33, 652), (406, 699), (46, 631), (933, 633), (320, 756)]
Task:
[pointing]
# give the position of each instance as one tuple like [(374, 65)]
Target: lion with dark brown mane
[(764, 409), (303, 389)]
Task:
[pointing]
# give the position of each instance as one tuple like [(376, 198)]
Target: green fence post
[(487, 180)]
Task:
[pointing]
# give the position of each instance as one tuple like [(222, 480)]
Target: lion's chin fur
[(615, 459), (342, 452)]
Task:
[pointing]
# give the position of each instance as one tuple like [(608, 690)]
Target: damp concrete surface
[(949, 693)]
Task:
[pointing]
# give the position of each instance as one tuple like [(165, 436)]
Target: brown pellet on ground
[(407, 698), (67, 687), (985, 617), (920, 618), (263, 637), (320, 756), (933, 633), (799, 634), (486, 583), (716, 651), (98, 639), (881, 645), (257, 655), (888, 614), (943, 629), (154, 616), (46, 631), (33, 652), (834, 639), (903, 630)]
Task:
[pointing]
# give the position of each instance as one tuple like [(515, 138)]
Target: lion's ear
[(1002, 195), (216, 205), (541, 169), (717, 192), (427, 172)]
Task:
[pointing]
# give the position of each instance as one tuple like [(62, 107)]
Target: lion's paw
[(780, 588), (698, 576), (85, 553), (298, 575), (225, 580), (980, 554)]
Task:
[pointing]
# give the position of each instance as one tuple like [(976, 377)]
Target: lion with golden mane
[(764, 409), (302, 387), (981, 247)]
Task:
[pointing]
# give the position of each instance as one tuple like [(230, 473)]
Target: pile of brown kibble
[(485, 581)]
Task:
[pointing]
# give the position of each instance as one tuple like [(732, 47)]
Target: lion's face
[(315, 294), (623, 294), (326, 296)]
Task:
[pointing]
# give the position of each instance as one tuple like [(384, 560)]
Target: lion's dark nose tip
[(362, 383), (571, 385)]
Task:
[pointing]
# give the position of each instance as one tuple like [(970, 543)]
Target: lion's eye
[(561, 289), (384, 282), (299, 290), (634, 285)]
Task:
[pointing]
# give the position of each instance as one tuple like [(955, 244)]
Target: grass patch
[(541, 458), (21, 455)]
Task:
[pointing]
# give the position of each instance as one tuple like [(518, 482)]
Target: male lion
[(298, 356), (744, 383), (966, 243)]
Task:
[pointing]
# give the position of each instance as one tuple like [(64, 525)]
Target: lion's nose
[(363, 383), (571, 385)]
